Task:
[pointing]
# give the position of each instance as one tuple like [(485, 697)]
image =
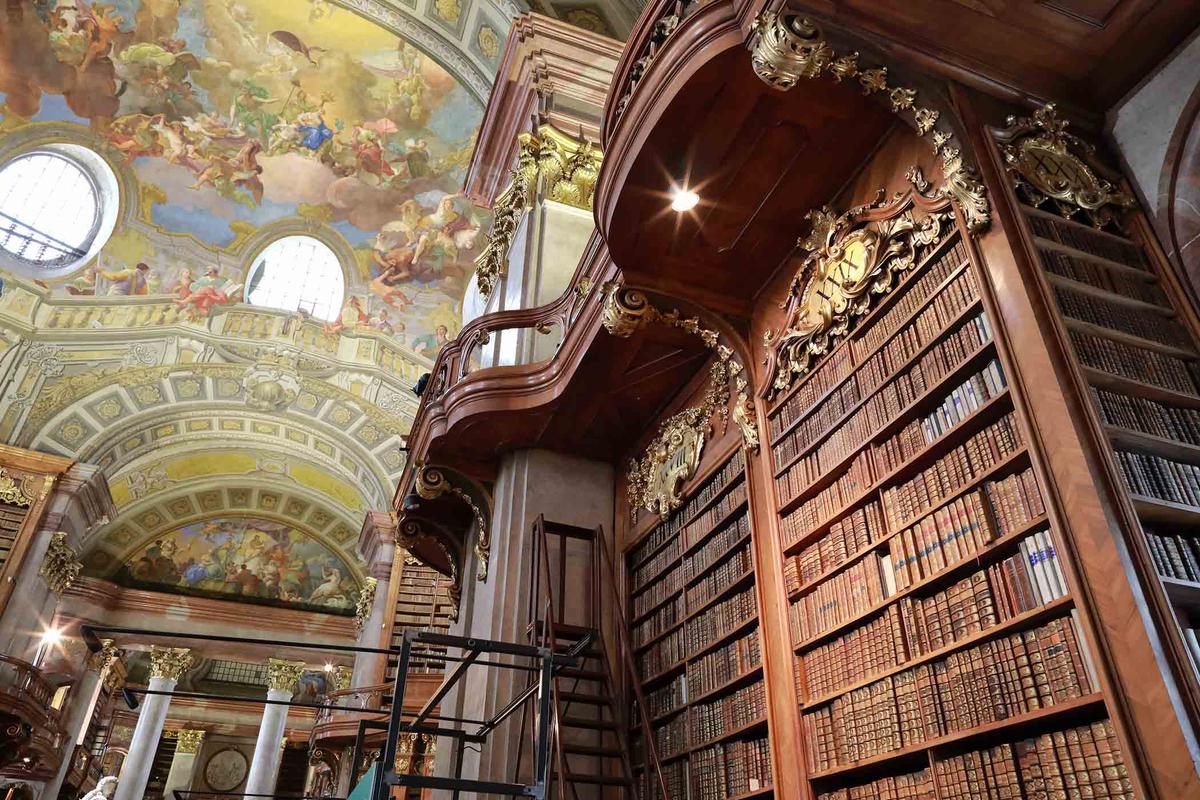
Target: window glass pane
[(48, 209), (298, 273)]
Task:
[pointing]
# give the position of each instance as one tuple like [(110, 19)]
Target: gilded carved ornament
[(564, 168), (188, 742), (101, 660), (366, 601), (656, 480), (849, 265), (790, 47), (341, 678), (19, 493), (1054, 168), (61, 564), (431, 483), (169, 662), (282, 675)]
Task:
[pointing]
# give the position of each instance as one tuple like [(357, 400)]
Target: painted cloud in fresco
[(241, 112), (253, 560)]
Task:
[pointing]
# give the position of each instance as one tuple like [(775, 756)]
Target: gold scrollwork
[(14, 493), (566, 170), (61, 564), (283, 675), (431, 483), (189, 741), (789, 47), (169, 662), (850, 262), (656, 480), (366, 601), (1052, 167)]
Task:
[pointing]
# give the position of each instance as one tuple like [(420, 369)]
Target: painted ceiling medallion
[(1054, 168), (852, 260)]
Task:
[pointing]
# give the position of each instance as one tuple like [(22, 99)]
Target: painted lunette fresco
[(236, 114), (251, 560)]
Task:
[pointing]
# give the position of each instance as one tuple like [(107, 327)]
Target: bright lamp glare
[(329, 667), (51, 636), (684, 200)]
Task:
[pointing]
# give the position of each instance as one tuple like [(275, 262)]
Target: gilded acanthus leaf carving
[(850, 262)]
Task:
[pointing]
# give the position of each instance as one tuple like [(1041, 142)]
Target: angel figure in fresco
[(396, 267), (100, 26), (129, 281), (242, 171)]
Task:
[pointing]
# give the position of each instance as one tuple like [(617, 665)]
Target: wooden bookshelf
[(1154, 447), (713, 687), (953, 452)]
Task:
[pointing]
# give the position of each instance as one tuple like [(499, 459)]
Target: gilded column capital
[(98, 662), (188, 742), (169, 662), (341, 678), (283, 675)]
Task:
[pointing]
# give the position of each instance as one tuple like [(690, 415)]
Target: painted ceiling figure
[(229, 122)]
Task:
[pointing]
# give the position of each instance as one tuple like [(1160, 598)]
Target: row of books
[(1083, 762), (917, 626), (663, 654), (721, 577), (1120, 317), (649, 596), (846, 537), (957, 405), (899, 390), (1155, 476), (664, 559), (724, 664), (841, 362), (729, 770), (952, 533), (893, 397), (666, 698), (719, 619), (823, 377), (670, 737), (1094, 273), (1134, 363), (1148, 416), (1175, 555), (820, 419), (913, 786), (959, 467), (717, 514), (826, 504), (725, 538), (666, 617), (1191, 637), (1014, 501), (1086, 241), (909, 298), (674, 774), (996, 680), (669, 528), (727, 714)]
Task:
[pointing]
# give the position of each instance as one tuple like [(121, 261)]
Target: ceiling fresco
[(249, 559), (234, 115)]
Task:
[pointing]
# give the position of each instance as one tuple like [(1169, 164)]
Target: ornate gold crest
[(1056, 169), (851, 261), (656, 481)]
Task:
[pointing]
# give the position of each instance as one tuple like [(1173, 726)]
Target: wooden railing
[(26, 694)]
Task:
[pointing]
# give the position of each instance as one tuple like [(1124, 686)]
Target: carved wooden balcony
[(31, 729)]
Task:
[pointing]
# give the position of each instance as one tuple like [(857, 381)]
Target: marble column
[(281, 685), (82, 706), (377, 545), (187, 747), (167, 664)]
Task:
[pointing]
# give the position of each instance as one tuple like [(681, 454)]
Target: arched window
[(298, 273), (57, 207)]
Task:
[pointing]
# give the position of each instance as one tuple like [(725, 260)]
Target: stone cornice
[(551, 73), (377, 543)]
